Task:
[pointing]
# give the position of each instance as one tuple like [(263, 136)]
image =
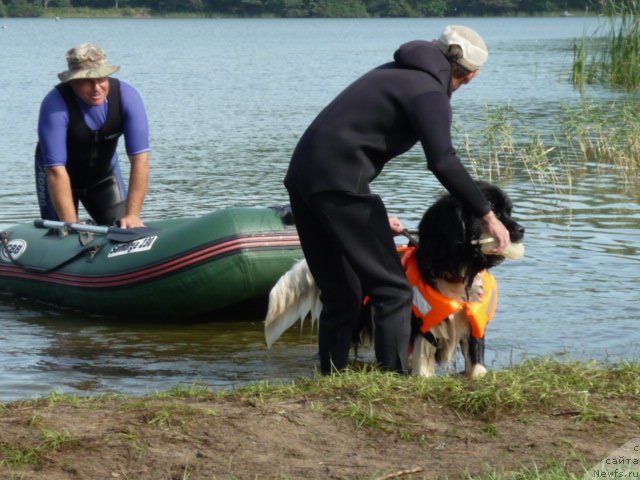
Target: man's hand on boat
[(131, 221)]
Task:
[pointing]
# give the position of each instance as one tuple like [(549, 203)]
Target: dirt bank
[(335, 430)]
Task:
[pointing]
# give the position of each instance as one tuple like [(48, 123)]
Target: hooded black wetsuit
[(344, 229)]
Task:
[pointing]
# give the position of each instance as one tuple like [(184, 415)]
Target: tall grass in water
[(506, 145), (606, 135), (614, 58), (600, 135)]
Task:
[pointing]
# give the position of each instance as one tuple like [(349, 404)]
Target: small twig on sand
[(559, 413), (401, 473)]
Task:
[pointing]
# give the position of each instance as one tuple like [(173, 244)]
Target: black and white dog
[(454, 296)]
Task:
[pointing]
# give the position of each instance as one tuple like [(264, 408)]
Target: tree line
[(307, 8)]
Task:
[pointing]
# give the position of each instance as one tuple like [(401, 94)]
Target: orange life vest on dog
[(432, 307)]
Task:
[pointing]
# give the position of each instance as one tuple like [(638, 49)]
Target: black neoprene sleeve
[(431, 118)]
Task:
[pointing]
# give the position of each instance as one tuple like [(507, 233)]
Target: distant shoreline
[(145, 13)]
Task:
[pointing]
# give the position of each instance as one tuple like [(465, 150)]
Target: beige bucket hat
[(474, 50), (87, 61)]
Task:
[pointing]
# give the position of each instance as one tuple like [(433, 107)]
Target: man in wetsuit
[(344, 229), (79, 125)]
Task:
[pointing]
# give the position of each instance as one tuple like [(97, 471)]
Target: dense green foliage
[(304, 8)]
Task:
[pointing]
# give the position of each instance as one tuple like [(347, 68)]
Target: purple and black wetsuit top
[(83, 138)]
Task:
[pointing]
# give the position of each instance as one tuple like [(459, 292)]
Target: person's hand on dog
[(494, 227), (396, 225)]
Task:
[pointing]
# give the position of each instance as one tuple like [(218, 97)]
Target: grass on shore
[(378, 400), (374, 400)]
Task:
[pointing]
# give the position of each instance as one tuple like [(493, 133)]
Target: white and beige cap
[(474, 50), (87, 61)]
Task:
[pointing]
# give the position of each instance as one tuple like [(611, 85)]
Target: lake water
[(227, 101)]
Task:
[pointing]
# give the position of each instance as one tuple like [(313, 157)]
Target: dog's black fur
[(449, 249), (448, 236)]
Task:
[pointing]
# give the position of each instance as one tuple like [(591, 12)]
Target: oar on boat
[(114, 234)]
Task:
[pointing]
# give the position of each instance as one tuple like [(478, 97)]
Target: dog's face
[(449, 237)]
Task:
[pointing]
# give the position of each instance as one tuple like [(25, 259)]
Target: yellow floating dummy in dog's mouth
[(514, 251)]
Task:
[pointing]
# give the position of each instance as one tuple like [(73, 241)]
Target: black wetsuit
[(344, 229)]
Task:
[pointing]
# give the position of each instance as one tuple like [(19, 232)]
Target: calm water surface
[(227, 101)]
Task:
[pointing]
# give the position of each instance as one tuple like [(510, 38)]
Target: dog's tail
[(292, 298)]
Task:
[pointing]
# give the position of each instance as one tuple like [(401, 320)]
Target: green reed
[(587, 134), (506, 145), (612, 58), (606, 135)]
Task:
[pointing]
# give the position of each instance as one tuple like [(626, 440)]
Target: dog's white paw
[(423, 358), (477, 371)]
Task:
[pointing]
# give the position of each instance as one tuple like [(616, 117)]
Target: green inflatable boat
[(176, 268)]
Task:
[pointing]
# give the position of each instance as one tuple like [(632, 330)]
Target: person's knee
[(342, 309)]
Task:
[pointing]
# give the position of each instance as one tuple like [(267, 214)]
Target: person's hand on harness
[(396, 226)]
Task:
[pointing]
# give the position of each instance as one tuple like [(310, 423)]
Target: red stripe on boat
[(229, 247)]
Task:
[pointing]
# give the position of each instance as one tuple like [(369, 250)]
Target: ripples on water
[(227, 101)]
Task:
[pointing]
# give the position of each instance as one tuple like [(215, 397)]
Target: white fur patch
[(294, 297)]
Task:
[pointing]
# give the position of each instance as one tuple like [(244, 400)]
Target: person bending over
[(79, 125), (344, 229)]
